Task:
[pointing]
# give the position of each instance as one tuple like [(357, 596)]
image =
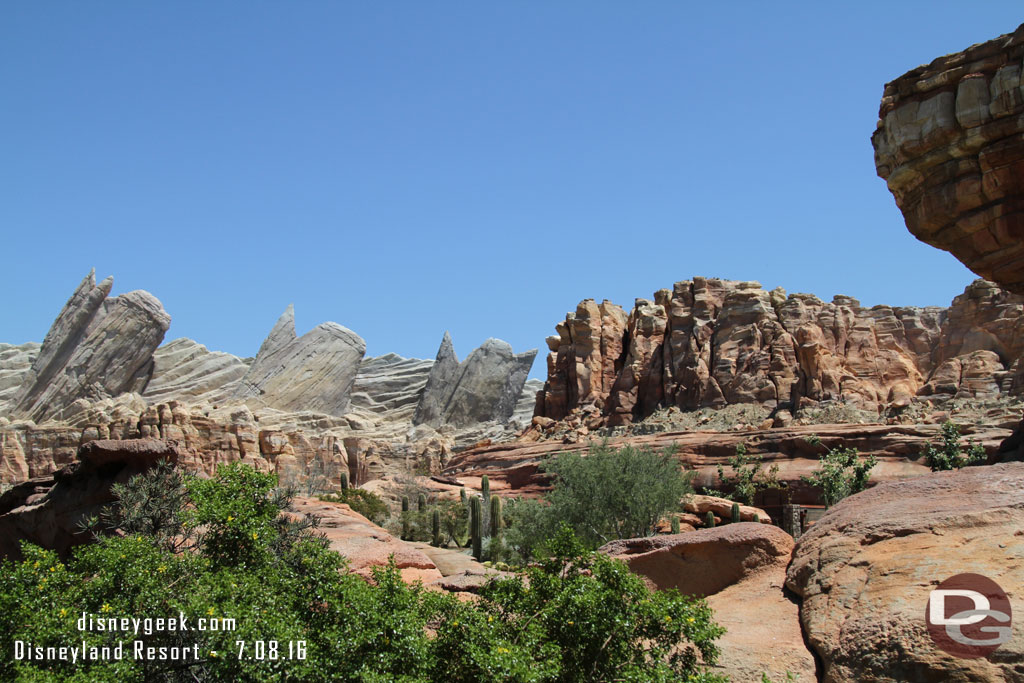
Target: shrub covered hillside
[(178, 554)]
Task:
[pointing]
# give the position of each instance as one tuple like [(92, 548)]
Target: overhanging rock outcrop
[(950, 146), (98, 347)]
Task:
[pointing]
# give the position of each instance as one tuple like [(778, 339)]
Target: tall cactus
[(405, 518), (485, 487), (735, 516), (344, 481), (462, 496), (421, 503), (496, 523), (475, 523), (709, 519), (675, 524), (435, 524)]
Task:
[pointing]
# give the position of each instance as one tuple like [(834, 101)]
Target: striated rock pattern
[(950, 146), (98, 347), (865, 571), (185, 370), (483, 388), (741, 570), (714, 343), (390, 386), (15, 362), (313, 372)]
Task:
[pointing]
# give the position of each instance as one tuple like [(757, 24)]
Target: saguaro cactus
[(405, 518), (344, 481), (485, 487), (675, 524), (496, 523), (735, 516), (475, 522), (462, 496), (421, 503), (709, 519), (435, 524)]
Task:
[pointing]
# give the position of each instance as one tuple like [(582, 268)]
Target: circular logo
[(968, 616)]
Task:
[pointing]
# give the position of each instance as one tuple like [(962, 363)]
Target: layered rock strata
[(950, 145), (485, 387), (98, 347), (714, 343)]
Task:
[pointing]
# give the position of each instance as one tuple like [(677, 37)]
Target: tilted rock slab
[(712, 343), (865, 571), (950, 146), (98, 347), (313, 372), (484, 387), (185, 370), (741, 570)]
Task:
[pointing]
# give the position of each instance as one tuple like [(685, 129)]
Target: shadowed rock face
[(713, 343), (950, 145), (98, 347), (313, 372), (484, 387), (865, 571)]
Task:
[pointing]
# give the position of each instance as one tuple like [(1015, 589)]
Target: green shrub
[(747, 477), (675, 524), (842, 473), (948, 454), (366, 503)]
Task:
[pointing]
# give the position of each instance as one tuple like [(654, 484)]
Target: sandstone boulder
[(740, 569), (722, 507), (865, 571)]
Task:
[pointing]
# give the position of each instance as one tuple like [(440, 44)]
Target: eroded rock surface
[(486, 387), (741, 570), (865, 570), (950, 146), (716, 343), (98, 347), (185, 370)]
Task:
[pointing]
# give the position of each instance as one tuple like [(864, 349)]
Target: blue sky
[(405, 168)]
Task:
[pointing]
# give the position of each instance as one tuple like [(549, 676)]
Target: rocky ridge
[(710, 343)]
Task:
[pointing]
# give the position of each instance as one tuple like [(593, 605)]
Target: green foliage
[(841, 474), (607, 494), (709, 519), (575, 617), (747, 477), (476, 527), (675, 524), (366, 503), (948, 454), (734, 516), (454, 522), (528, 525)]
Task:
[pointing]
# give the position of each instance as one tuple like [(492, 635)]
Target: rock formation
[(483, 388), (313, 372), (949, 145), (865, 571), (98, 347), (15, 362), (47, 510), (185, 370), (715, 343), (741, 570)]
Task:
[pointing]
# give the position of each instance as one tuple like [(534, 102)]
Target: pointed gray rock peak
[(98, 347), (281, 334), (313, 372), (483, 388)]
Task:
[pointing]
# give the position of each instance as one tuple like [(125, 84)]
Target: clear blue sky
[(404, 168)]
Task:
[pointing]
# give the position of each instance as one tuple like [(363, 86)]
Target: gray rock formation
[(313, 372), (186, 371), (485, 387), (15, 362), (96, 348), (390, 386)]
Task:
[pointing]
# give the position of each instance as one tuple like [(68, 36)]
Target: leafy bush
[(842, 474), (366, 503), (575, 617), (747, 477), (607, 494), (948, 454)]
